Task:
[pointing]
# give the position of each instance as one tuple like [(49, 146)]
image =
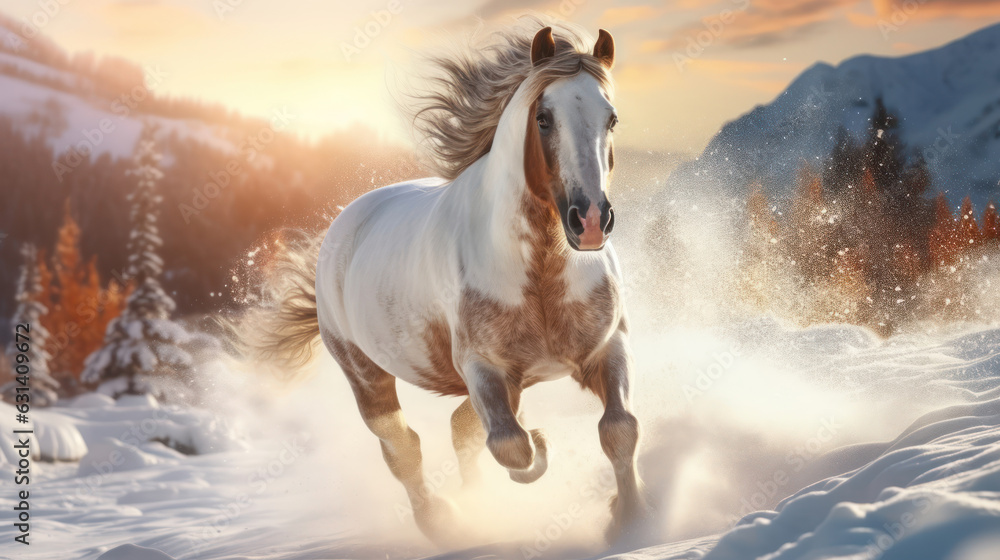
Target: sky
[(683, 67)]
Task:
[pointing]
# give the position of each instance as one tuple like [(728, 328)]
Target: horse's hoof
[(511, 448), (439, 520), (628, 522), (539, 465)]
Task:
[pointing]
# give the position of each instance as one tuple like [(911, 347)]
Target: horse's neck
[(507, 228)]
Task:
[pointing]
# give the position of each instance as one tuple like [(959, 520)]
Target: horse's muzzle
[(588, 232)]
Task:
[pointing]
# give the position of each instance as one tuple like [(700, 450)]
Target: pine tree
[(143, 341), (991, 224), (30, 311)]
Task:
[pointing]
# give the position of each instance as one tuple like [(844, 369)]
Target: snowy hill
[(65, 100), (948, 101)]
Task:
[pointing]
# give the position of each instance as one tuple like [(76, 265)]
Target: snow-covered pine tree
[(30, 310), (143, 342)]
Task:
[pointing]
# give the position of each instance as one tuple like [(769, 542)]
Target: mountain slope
[(948, 101)]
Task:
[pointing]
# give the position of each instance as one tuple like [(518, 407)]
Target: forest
[(867, 239)]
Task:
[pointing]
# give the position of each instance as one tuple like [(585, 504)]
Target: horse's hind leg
[(375, 392), (469, 439)]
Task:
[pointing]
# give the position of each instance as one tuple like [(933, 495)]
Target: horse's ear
[(542, 46), (604, 49)]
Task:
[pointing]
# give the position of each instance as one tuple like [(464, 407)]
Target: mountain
[(947, 101)]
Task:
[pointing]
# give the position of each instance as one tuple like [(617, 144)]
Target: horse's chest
[(546, 330)]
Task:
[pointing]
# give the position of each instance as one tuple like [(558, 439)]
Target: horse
[(494, 277)]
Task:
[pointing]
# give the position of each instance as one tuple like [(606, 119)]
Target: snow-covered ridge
[(79, 112), (948, 100)]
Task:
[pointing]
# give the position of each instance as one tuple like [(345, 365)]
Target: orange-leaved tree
[(79, 308), (944, 237), (969, 234)]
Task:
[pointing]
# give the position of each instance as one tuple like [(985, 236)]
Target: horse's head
[(568, 148)]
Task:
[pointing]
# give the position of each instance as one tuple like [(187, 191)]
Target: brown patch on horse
[(441, 377), (540, 168), (374, 388), (545, 327)]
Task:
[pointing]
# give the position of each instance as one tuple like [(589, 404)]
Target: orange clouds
[(746, 23), (934, 9), (760, 22)]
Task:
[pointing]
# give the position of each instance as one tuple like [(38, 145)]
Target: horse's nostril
[(573, 220), (611, 222)]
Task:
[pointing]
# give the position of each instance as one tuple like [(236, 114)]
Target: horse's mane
[(457, 120)]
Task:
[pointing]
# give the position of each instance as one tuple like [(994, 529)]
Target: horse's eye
[(543, 122), (612, 123)]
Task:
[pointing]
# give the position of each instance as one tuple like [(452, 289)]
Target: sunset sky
[(260, 55)]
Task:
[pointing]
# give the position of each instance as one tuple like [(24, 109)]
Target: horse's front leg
[(496, 401), (610, 377)]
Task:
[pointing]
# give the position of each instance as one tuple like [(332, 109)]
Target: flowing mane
[(456, 122)]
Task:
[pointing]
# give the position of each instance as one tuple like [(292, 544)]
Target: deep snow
[(829, 442)]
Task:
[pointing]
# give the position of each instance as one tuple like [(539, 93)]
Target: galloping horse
[(497, 277)]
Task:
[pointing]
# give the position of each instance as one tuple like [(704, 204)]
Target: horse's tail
[(281, 331)]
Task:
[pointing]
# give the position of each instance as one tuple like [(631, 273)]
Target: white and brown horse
[(493, 279)]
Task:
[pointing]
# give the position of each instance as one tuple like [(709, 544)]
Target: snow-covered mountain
[(947, 99)]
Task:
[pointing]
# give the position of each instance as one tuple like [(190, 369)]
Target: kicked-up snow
[(760, 442)]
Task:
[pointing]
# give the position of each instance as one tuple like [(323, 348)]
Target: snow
[(132, 552), (56, 438), (109, 455), (92, 400), (825, 442)]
